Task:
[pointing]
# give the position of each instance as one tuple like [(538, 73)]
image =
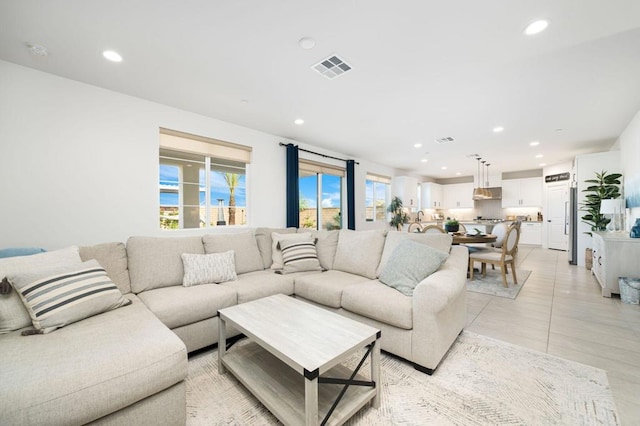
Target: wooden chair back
[(433, 229)]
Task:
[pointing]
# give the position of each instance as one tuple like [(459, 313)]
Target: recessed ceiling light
[(37, 50), (112, 56), (536, 27), (543, 164), (417, 145), (498, 129), (444, 167), (299, 121), (244, 101), (458, 173), (539, 156), (559, 130), (424, 160), (307, 43), (534, 143)]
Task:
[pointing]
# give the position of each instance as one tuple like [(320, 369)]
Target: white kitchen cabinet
[(406, 188), (615, 255), (522, 192), (430, 195), (531, 233), (490, 181), (457, 196)]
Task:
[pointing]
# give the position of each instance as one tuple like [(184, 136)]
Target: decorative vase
[(588, 258), (635, 229), (451, 228)]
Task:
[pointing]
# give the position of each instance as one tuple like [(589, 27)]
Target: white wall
[(80, 163), (629, 143)]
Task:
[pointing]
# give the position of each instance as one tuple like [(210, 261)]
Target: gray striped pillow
[(299, 256), (63, 295)]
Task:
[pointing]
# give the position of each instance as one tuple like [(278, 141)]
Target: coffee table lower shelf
[(282, 390)]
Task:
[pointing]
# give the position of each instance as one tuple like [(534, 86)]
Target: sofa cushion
[(156, 262), (438, 241), (257, 284), (326, 245), (299, 256), (208, 268), (177, 305), (263, 239), (66, 294), (13, 314), (244, 245), (410, 263), (359, 252), (326, 288), (88, 369), (377, 301), (276, 250), (113, 258)]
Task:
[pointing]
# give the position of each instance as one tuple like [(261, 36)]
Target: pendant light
[(487, 190), (478, 193)]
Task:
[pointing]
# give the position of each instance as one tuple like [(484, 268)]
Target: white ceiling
[(422, 70)]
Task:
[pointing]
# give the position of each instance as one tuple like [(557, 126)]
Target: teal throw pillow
[(409, 263)]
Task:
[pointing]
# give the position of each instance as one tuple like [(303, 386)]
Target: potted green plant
[(604, 186), (398, 216), (451, 225)]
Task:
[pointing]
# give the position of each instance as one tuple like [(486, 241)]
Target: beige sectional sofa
[(128, 366)]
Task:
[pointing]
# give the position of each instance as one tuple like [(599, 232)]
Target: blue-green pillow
[(409, 263), (20, 251)]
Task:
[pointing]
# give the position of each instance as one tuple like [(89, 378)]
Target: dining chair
[(502, 258), (433, 229), (415, 227)]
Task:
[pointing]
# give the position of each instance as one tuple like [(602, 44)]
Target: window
[(377, 189), (202, 182), (321, 188)]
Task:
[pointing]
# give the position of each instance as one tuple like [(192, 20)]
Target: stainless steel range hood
[(494, 193)]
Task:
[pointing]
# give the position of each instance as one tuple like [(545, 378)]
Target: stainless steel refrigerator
[(571, 224)]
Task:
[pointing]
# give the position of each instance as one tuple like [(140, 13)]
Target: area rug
[(481, 381), (492, 283)]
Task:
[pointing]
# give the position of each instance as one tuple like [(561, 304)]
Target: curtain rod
[(316, 153)]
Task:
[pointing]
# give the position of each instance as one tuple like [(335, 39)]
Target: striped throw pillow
[(299, 256), (63, 295)]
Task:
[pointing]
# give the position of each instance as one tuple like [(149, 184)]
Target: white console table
[(615, 255)]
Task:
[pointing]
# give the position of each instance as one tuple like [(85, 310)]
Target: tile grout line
[(553, 295)]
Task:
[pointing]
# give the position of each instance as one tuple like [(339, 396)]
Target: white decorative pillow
[(410, 263), (63, 295), (208, 268), (276, 254), (13, 314), (299, 256)]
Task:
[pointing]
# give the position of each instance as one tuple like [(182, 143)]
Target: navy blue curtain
[(351, 194), (293, 190)]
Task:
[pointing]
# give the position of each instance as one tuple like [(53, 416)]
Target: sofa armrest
[(435, 292)]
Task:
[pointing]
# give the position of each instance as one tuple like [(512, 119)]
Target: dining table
[(473, 238)]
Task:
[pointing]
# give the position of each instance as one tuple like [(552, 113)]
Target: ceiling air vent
[(332, 67), (444, 140)]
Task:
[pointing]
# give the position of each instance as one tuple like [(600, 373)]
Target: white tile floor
[(561, 311)]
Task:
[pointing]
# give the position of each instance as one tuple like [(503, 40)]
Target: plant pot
[(588, 258), (451, 228)]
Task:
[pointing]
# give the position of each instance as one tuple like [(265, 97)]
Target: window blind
[(185, 142), (378, 178)]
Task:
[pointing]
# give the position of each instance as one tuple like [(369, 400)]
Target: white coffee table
[(292, 363)]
